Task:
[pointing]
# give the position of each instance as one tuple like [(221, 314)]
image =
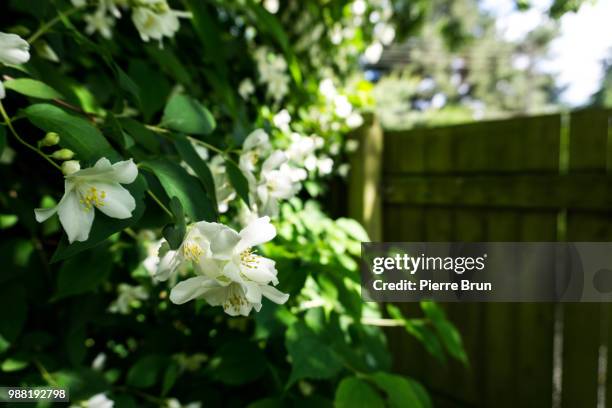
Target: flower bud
[(63, 154), (50, 139), (70, 166)]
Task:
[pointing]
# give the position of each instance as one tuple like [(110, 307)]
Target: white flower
[(97, 401), (128, 295), (325, 165), (327, 88), (354, 120), (271, 6), (14, 50), (154, 19), (282, 119), (373, 53), (256, 144), (246, 88), (98, 363), (98, 186), (272, 72), (300, 148), (343, 107), (100, 22), (274, 184), (234, 276), (174, 403), (2, 91), (223, 187)]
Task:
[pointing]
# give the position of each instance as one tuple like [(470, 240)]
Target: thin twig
[(14, 132)]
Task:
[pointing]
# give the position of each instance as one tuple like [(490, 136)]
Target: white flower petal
[(117, 203), (2, 91), (252, 292), (43, 214), (262, 270), (277, 158), (125, 172), (274, 294), (75, 217), (190, 289), (14, 50), (256, 233), (222, 239)]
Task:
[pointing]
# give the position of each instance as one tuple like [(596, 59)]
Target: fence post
[(365, 188)]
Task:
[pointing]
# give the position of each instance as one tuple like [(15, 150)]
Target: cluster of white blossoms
[(129, 296), (14, 50), (229, 273), (272, 72), (98, 187), (339, 104), (154, 19)]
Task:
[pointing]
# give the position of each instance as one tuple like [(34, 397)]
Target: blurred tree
[(603, 97), (459, 67)]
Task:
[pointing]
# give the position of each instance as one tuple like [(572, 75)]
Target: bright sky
[(584, 41)]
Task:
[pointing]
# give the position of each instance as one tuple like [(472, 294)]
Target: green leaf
[(238, 180), (355, 393), (402, 391), (103, 226), (178, 183), (154, 87), (170, 376), (353, 229), (32, 88), (237, 362), (144, 373), (13, 311), (143, 136), (10, 365), (74, 279), (446, 330), (185, 114), (175, 232), (311, 356), (127, 84), (422, 331), (191, 157), (76, 133)]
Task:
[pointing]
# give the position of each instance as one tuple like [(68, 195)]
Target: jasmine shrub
[(164, 168)]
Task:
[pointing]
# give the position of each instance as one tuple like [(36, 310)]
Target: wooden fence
[(543, 178)]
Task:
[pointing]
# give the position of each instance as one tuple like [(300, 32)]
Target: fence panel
[(523, 179)]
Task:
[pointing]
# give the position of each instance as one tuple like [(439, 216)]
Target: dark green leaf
[(446, 330), (178, 183), (144, 373), (188, 153), (237, 362), (311, 356), (170, 376), (32, 88), (238, 180), (402, 391), (73, 278), (127, 84), (2, 139), (143, 136), (185, 114), (355, 393), (154, 87), (104, 226), (76, 133), (13, 311), (175, 232), (422, 331)]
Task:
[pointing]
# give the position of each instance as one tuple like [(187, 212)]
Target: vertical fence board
[(536, 323)]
